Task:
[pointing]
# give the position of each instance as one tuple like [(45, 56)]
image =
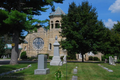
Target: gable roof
[(58, 12)]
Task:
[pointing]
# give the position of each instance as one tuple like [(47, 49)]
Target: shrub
[(71, 56), (118, 60), (90, 58), (47, 56), (68, 57), (23, 55), (96, 59), (50, 57), (31, 58), (61, 57), (106, 56)]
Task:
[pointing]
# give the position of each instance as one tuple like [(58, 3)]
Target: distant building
[(41, 42)]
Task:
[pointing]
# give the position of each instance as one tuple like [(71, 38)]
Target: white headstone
[(74, 77), (4, 57), (64, 59), (111, 60), (56, 61), (42, 65)]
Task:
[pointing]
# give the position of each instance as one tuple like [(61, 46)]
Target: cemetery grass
[(86, 71)]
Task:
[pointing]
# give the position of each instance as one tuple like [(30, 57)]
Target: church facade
[(41, 42)]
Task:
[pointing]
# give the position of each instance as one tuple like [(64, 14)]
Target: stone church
[(41, 42)]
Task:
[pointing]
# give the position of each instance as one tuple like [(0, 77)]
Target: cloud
[(109, 24), (115, 7)]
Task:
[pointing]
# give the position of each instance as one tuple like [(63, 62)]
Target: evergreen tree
[(81, 29), (17, 18), (116, 27), (2, 45)]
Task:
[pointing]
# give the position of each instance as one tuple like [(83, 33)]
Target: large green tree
[(18, 19), (81, 29)]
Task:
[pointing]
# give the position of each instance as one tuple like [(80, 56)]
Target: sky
[(107, 10)]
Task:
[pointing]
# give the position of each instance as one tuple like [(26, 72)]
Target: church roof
[(57, 12)]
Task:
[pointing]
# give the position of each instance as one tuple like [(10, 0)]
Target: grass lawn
[(86, 71)]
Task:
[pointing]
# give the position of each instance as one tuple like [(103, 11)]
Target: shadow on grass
[(12, 77), (19, 75), (85, 62)]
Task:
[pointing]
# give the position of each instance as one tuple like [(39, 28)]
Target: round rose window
[(38, 43)]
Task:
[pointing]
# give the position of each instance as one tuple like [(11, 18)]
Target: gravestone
[(64, 59), (42, 65), (75, 70), (105, 60), (56, 61), (74, 77), (111, 60), (4, 57), (115, 58)]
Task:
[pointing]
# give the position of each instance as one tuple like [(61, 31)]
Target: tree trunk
[(14, 53), (82, 57)]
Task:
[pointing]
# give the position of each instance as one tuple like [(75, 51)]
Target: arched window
[(52, 24), (57, 25), (50, 46), (57, 21)]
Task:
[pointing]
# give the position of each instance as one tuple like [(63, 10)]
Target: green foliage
[(96, 59), (18, 18), (50, 57), (106, 56), (91, 58), (58, 74), (116, 27), (2, 45), (61, 57), (23, 55), (71, 57), (82, 30), (47, 55), (32, 58)]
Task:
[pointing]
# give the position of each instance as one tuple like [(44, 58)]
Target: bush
[(91, 58), (68, 57), (23, 55), (31, 58), (106, 56), (96, 59), (47, 56), (50, 57), (118, 60), (71, 56), (61, 57)]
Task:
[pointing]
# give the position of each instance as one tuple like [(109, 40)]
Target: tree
[(116, 27), (81, 29), (2, 45), (19, 19)]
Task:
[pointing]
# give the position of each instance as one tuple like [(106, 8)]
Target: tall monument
[(56, 61)]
